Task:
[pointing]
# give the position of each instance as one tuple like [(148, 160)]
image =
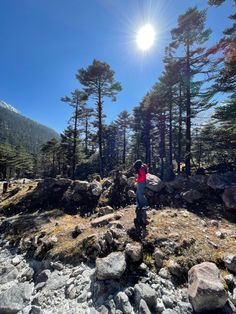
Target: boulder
[(123, 304), (206, 291), (191, 196), (105, 210), (8, 273), (131, 194), (96, 188), (174, 268), (131, 182), (219, 181), (159, 257), (229, 197), (111, 267), (13, 300), (143, 307), (134, 251), (145, 292), (106, 184), (154, 183), (230, 262)]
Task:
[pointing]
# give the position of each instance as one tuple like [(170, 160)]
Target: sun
[(145, 37)]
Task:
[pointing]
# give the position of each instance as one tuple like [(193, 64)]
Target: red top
[(141, 177)]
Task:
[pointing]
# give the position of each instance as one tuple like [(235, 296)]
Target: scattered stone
[(77, 231), (122, 303), (229, 197), (105, 210), (111, 266), (160, 305), (206, 292), (229, 279), (168, 302), (104, 220), (230, 262), (134, 251), (131, 194), (154, 183), (191, 196), (174, 268), (159, 257), (16, 260), (145, 292), (57, 266), (8, 273), (143, 307)]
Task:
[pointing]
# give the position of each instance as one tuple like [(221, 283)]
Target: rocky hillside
[(69, 247)]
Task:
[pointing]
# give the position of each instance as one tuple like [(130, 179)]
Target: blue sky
[(45, 42)]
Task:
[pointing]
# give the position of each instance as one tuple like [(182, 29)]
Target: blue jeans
[(140, 197)]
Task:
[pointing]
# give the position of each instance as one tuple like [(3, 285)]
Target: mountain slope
[(16, 129)]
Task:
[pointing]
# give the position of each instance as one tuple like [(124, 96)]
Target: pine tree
[(76, 101), (123, 123), (189, 33), (98, 80)]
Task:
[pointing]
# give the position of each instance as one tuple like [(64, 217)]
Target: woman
[(142, 204)]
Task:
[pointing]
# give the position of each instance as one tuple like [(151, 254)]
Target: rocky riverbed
[(30, 286)]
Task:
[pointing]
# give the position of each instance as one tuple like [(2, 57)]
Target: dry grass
[(178, 225)]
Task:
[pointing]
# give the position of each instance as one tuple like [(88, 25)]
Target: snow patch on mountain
[(3, 104)]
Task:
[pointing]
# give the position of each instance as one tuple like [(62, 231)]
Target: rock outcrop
[(206, 291)]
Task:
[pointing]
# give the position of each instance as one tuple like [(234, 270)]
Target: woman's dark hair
[(138, 165)]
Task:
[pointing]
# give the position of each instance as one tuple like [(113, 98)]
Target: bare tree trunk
[(180, 129), (75, 140), (124, 146), (188, 117), (100, 132)]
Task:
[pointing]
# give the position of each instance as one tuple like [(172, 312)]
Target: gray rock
[(206, 292), (96, 188), (111, 266), (229, 279), (105, 210), (43, 276), (229, 197), (164, 273), (234, 296), (129, 291), (122, 303), (145, 292), (191, 196), (169, 311), (57, 266), (27, 273), (230, 262), (159, 257), (131, 194), (154, 183), (16, 260), (8, 273), (159, 305), (13, 299), (168, 301), (174, 268), (131, 182), (36, 310), (55, 281), (134, 251), (143, 308)]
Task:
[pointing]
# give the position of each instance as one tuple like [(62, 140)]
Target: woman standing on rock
[(142, 204)]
